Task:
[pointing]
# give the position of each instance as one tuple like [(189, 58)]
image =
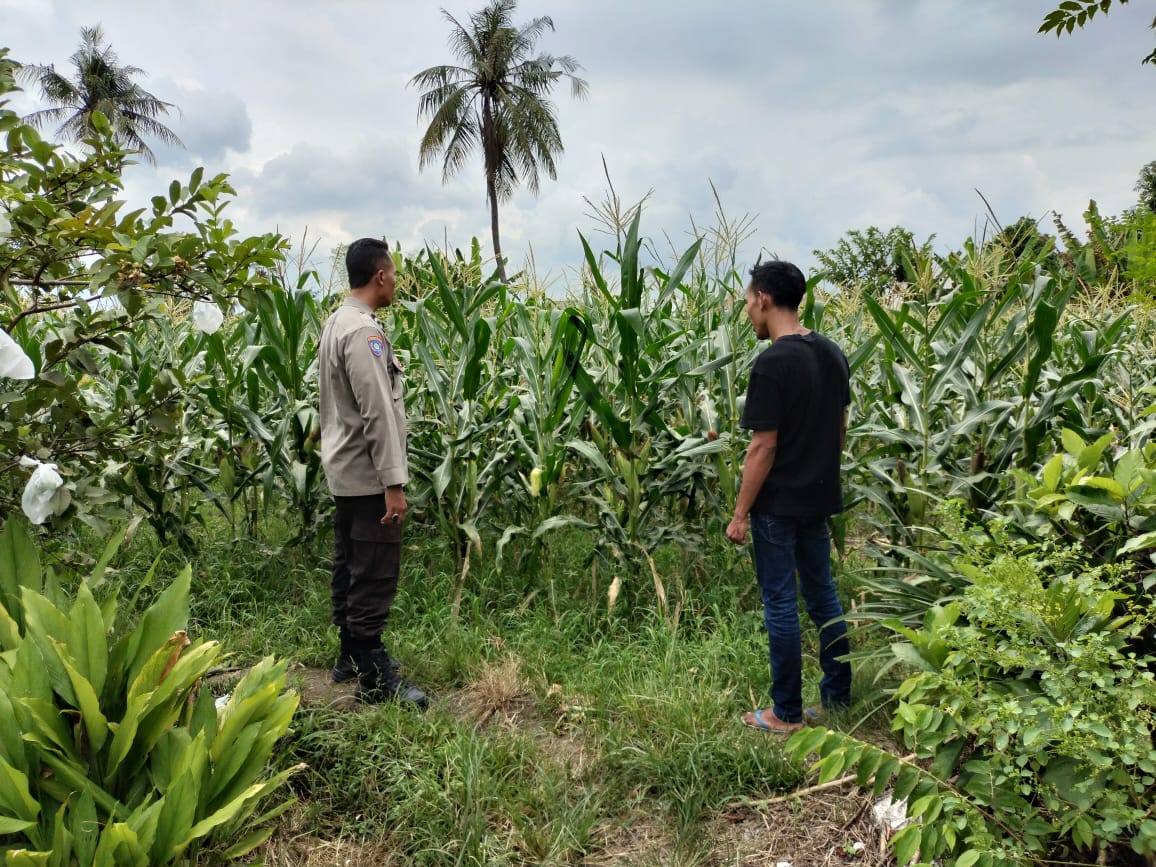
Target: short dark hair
[(782, 281), (364, 258)]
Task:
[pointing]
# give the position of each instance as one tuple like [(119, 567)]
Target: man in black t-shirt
[(796, 408)]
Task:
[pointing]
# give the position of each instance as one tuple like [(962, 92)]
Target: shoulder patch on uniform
[(376, 346)]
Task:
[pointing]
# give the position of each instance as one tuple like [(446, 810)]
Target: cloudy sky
[(812, 117)]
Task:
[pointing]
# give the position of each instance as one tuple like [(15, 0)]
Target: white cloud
[(817, 117)]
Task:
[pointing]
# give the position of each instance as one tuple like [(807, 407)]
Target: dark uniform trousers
[(366, 565)]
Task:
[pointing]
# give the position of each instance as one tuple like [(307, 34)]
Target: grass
[(559, 732)]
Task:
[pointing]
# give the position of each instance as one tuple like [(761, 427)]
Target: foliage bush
[(85, 290), (113, 750), (1033, 710)]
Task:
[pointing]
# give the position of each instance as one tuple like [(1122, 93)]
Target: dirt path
[(817, 830)]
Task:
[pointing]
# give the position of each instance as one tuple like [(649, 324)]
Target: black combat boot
[(346, 667), (378, 680)]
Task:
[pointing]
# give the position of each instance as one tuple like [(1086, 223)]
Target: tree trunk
[(492, 196), (492, 157)]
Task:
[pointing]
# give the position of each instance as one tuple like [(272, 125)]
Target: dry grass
[(308, 851), (498, 692), (816, 831)]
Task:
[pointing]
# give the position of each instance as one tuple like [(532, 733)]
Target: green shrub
[(112, 748), (1035, 714)]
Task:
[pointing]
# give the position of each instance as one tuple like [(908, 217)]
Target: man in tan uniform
[(363, 452)]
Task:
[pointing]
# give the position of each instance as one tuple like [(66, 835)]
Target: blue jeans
[(783, 545)]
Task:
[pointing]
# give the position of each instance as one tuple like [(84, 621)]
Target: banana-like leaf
[(19, 569), (47, 629), (167, 615), (85, 828), (120, 846), (16, 800), (176, 818), (95, 724), (88, 639)]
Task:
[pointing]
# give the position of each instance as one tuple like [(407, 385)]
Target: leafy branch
[(1076, 13)]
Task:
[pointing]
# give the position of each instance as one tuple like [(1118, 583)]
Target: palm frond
[(100, 83), (463, 43), (530, 33), (496, 100)]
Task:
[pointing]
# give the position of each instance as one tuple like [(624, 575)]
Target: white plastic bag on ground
[(40, 490), (207, 316), (891, 814), (14, 361)]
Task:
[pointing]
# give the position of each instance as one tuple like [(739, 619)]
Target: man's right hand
[(396, 507), (737, 529)]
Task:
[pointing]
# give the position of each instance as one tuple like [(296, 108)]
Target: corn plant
[(282, 352), (640, 462), (461, 403), (546, 350), (112, 749), (969, 381)]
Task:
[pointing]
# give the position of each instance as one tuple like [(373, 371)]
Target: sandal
[(814, 714), (768, 721)]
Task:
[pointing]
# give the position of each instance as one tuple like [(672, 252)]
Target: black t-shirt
[(800, 386)]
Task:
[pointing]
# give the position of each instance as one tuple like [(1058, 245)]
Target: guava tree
[(85, 281)]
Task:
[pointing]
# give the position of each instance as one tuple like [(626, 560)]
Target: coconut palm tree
[(101, 84), (496, 100)]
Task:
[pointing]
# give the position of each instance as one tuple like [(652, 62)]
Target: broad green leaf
[(906, 843), (25, 858), (1073, 444), (19, 567), (95, 724), (175, 819), (85, 828), (1139, 543), (1090, 456), (168, 614), (15, 797), (88, 640), (248, 843), (1052, 471), (9, 825), (227, 813), (1114, 488)]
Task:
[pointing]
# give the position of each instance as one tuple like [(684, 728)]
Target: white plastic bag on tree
[(207, 317), (14, 361), (40, 490)]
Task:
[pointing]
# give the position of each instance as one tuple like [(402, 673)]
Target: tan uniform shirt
[(363, 437)]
